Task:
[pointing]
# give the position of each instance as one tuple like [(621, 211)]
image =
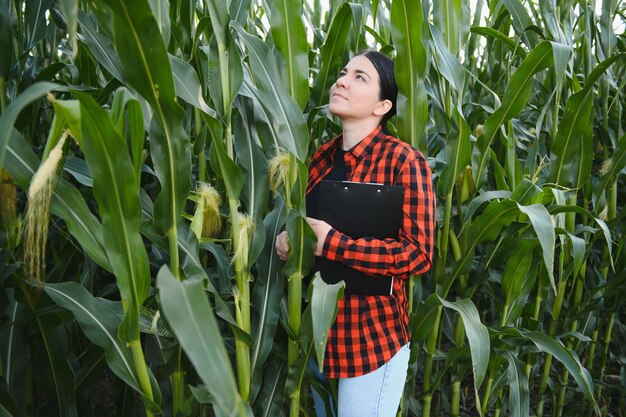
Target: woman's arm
[(411, 253)]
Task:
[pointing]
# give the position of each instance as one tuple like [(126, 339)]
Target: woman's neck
[(355, 131)]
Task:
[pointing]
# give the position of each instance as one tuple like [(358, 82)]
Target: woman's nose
[(342, 82)]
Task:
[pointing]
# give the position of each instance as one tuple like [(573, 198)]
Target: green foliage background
[(520, 112)]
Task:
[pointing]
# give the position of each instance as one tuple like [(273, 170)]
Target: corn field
[(151, 150)]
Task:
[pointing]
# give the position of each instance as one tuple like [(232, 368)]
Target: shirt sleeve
[(411, 253)]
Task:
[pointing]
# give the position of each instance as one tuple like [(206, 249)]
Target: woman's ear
[(383, 107)]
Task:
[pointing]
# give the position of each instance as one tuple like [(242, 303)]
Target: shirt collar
[(366, 145)]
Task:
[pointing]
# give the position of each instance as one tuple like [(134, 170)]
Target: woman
[(368, 345)]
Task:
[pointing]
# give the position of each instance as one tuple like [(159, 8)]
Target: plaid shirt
[(369, 330)]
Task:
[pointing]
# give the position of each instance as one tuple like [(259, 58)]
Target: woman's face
[(356, 93)]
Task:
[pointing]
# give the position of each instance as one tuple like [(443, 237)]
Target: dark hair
[(388, 87)]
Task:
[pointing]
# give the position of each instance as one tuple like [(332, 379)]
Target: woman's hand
[(321, 229), (282, 245)]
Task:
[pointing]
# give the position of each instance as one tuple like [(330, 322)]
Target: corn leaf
[(477, 335), (458, 154), (266, 295), (452, 18), (185, 303), (59, 376), (568, 358), (292, 129), (332, 53), (519, 396), (99, 323), (572, 149), (617, 164), (425, 318), (324, 298), (407, 21), (100, 46), (544, 229), (515, 97), (116, 191), (290, 38), (187, 85), (485, 228), (144, 56), (515, 276)]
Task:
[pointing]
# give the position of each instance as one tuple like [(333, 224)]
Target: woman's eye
[(360, 77)]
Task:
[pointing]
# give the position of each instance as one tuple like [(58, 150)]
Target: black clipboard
[(359, 210)]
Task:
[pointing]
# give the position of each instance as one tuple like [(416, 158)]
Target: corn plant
[(151, 151)]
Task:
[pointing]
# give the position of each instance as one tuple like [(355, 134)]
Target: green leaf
[(161, 11), (447, 64), (324, 298), (225, 73), (272, 398), (302, 241), (579, 247), (100, 46), (14, 355), (253, 161), (117, 194), (562, 55), (290, 38), (99, 323), (226, 168), (485, 228), (617, 164), (544, 229), (146, 64), (79, 170), (477, 335), (292, 129), (519, 397), (332, 52), (425, 318), (188, 86), (571, 154), (483, 198), (266, 294), (125, 102), (515, 276), (62, 379), (515, 97), (35, 23), (6, 39), (580, 210), (193, 269), (521, 21), (495, 34), (239, 10), (458, 154), (69, 8), (191, 317), (452, 18), (407, 21), (9, 115), (526, 192), (568, 358), (218, 11)]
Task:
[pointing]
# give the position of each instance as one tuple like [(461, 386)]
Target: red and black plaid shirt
[(369, 330)]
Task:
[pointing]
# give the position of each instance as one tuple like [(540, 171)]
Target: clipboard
[(359, 210)]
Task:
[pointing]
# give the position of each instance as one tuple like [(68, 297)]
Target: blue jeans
[(376, 394)]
